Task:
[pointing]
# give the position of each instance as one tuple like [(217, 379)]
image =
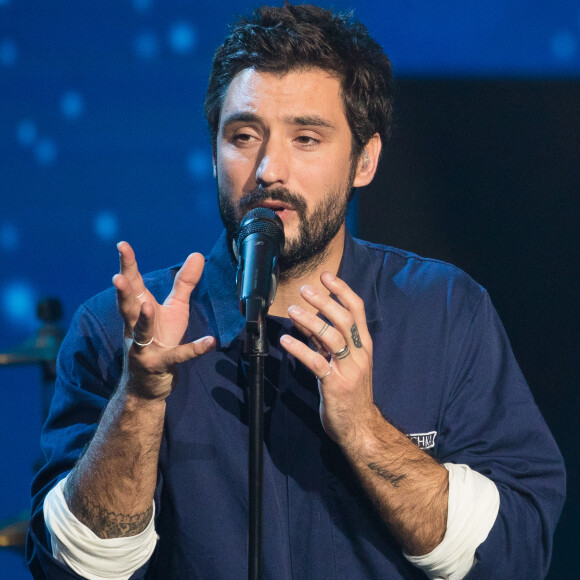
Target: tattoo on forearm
[(393, 479), (355, 336), (108, 524)]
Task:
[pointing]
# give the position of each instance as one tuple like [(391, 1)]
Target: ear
[(214, 163), (368, 162)]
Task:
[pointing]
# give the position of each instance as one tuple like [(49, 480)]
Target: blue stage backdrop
[(102, 138)]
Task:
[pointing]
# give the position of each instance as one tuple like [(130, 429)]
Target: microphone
[(259, 241)]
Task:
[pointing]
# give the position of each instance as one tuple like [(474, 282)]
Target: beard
[(308, 249)]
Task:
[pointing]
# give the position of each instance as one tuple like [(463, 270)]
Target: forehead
[(313, 92)]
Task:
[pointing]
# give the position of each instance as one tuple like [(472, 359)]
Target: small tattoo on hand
[(355, 336)]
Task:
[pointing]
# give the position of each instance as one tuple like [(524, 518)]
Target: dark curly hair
[(281, 39)]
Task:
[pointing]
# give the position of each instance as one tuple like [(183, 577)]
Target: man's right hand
[(111, 488), (154, 332)]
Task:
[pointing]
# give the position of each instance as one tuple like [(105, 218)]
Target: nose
[(273, 166)]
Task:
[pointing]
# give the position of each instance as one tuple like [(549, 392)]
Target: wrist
[(363, 439), (139, 399), (147, 386)]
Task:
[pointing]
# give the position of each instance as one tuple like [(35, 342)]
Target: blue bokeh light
[(19, 304), (182, 37), (199, 164), (72, 105), (26, 132), (8, 52), (146, 45), (564, 45), (106, 225), (45, 151), (9, 237), (142, 5)]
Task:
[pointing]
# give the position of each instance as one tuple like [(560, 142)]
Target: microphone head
[(263, 220), (259, 241)]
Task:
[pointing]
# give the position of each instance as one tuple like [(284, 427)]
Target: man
[(400, 436)]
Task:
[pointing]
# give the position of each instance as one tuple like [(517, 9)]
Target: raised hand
[(343, 358), (154, 332), (408, 487)]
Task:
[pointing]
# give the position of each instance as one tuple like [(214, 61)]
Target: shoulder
[(416, 278)]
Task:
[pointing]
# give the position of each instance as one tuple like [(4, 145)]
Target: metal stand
[(40, 349), (256, 347)]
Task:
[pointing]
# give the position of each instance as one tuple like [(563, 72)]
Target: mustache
[(258, 195)]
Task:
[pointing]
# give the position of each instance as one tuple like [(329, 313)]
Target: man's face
[(284, 143)]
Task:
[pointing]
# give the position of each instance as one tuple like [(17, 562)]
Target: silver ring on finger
[(342, 353), (142, 344), (326, 374)]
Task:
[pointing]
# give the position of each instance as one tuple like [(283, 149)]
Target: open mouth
[(282, 209)]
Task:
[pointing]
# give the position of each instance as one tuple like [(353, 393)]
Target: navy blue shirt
[(443, 373)]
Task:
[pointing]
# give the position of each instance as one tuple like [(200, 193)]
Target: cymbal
[(37, 349), (14, 534), (42, 347)]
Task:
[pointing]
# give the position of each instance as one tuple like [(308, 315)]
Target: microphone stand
[(256, 347), (260, 238)]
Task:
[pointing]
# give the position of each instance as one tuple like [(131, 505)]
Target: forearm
[(111, 488), (408, 487)]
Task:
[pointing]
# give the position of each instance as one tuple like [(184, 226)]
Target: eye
[(243, 137), (307, 141)]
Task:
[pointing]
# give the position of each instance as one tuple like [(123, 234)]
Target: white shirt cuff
[(472, 509), (94, 558)]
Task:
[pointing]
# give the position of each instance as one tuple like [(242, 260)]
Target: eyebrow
[(302, 120), (241, 117), (310, 120)]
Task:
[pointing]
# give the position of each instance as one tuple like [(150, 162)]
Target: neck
[(288, 292)]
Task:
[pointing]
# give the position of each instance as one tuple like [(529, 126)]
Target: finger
[(199, 347), (322, 331), (318, 344), (348, 317), (353, 303), (331, 339), (143, 331), (318, 338), (314, 335), (186, 279), (313, 361), (339, 316), (128, 305), (296, 322), (129, 269)]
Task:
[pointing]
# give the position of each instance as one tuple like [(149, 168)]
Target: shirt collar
[(356, 269), (220, 270)]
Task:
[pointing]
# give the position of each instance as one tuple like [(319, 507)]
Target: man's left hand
[(343, 360)]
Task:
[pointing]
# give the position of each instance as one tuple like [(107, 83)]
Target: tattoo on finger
[(355, 336)]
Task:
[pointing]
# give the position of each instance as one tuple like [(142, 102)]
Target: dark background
[(486, 175), (102, 138)]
